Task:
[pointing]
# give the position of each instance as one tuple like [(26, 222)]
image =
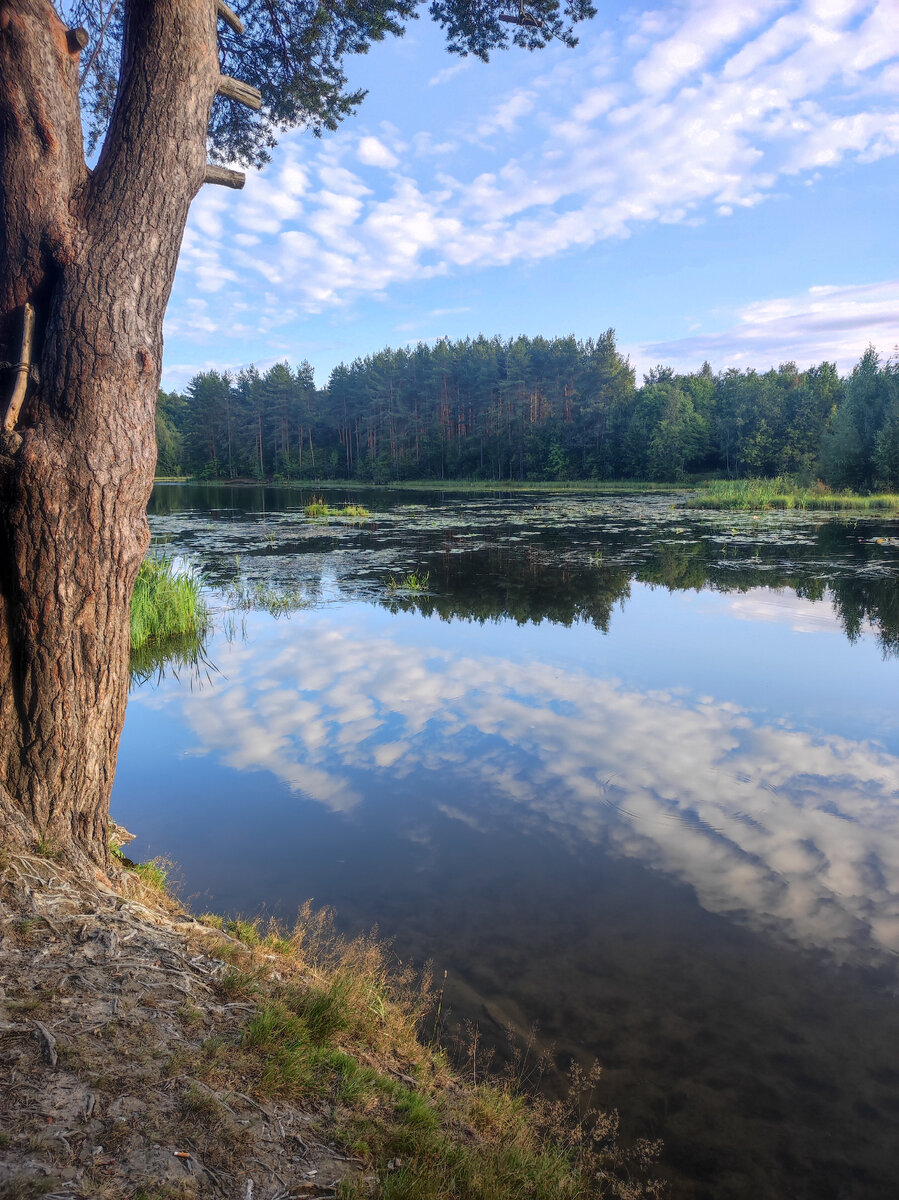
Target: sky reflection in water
[(676, 846), (785, 827)]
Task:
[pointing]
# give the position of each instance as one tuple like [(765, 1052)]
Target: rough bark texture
[(95, 253)]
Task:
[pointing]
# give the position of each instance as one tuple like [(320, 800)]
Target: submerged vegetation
[(412, 581), (277, 601), (167, 604)]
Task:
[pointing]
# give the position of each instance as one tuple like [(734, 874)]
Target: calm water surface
[(628, 771)]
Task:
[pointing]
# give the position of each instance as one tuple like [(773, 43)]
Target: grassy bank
[(166, 604), (724, 494), (336, 1027), (753, 494), (473, 486)]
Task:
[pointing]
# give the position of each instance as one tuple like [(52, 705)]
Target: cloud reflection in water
[(789, 830)]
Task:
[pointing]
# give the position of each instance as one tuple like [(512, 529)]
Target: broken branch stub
[(224, 176), (243, 93), (77, 39), (21, 384)]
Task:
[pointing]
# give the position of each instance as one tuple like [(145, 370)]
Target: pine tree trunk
[(95, 254)]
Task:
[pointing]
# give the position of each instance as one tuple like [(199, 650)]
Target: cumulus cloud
[(374, 153), (676, 116)]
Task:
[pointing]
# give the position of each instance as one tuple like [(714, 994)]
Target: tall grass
[(166, 604), (340, 1027), (752, 494)]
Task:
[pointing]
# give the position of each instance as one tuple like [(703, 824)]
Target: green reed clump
[(782, 493), (318, 507), (166, 604), (412, 581)]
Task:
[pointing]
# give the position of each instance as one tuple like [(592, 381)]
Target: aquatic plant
[(318, 507), (166, 604), (278, 601), (782, 493), (412, 581)]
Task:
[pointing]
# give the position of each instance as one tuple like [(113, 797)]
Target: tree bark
[(95, 254)]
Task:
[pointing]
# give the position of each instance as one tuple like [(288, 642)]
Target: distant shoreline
[(721, 494)]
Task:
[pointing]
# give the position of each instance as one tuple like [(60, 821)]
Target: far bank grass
[(473, 486), (759, 494), (166, 604)]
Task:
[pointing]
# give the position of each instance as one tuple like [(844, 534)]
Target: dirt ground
[(107, 995)]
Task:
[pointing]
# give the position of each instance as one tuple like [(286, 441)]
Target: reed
[(166, 604), (781, 493), (318, 507), (412, 581)]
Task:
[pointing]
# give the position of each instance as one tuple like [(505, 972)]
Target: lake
[(627, 771)]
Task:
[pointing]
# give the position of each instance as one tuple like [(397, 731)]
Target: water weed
[(782, 493), (166, 604), (318, 507), (412, 581)]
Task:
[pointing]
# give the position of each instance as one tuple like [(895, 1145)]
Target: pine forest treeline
[(535, 409)]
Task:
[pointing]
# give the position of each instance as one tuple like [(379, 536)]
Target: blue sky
[(714, 180)]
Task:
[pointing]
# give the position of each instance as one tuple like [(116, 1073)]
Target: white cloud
[(830, 323), (373, 153), (677, 117), (793, 831), (447, 73)]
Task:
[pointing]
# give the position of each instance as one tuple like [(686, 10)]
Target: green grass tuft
[(153, 874), (166, 604), (317, 507), (412, 581)]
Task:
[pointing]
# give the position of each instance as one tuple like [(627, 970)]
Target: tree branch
[(154, 157), (229, 17), (243, 93), (100, 39), (224, 176), (18, 393)]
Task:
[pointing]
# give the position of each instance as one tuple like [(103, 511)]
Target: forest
[(535, 409)]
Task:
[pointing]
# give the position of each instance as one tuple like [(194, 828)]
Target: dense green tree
[(541, 408), (171, 413)]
